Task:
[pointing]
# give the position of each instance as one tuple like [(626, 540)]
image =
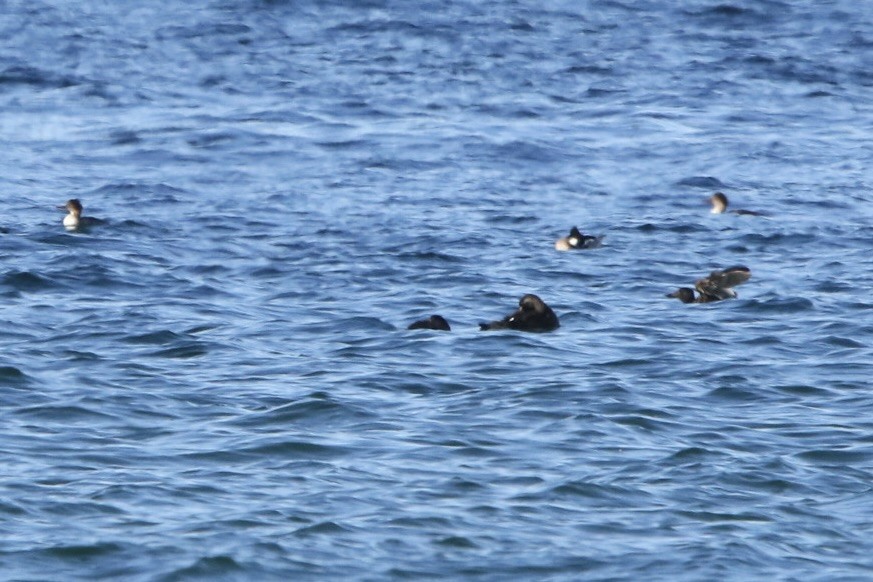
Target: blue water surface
[(217, 383)]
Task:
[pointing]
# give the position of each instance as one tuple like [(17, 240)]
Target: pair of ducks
[(577, 241), (532, 315), (573, 241)]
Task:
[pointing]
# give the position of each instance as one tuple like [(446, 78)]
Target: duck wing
[(719, 285), (730, 277)]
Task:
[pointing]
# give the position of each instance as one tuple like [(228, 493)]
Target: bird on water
[(74, 219), (716, 287), (532, 315)]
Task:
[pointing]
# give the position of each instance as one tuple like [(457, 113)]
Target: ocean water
[(217, 382)]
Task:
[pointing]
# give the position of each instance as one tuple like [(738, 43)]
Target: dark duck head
[(532, 315)]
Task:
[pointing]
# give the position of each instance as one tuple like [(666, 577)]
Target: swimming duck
[(720, 203), (719, 285), (532, 315), (74, 220), (577, 240), (436, 322)]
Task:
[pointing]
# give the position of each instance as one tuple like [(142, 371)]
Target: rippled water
[(218, 383)]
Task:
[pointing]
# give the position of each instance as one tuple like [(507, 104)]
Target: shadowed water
[(218, 382)]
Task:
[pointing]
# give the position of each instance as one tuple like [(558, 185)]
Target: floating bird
[(74, 220), (720, 203), (719, 285), (437, 322), (577, 240), (532, 315)]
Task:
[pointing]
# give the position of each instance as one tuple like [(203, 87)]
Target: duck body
[(532, 315), (716, 287), (437, 322), (576, 240)]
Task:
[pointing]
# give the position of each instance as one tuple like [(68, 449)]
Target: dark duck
[(576, 240), (718, 286), (532, 315), (437, 322), (720, 205)]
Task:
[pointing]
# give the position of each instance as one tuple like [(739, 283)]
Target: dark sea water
[(217, 383)]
